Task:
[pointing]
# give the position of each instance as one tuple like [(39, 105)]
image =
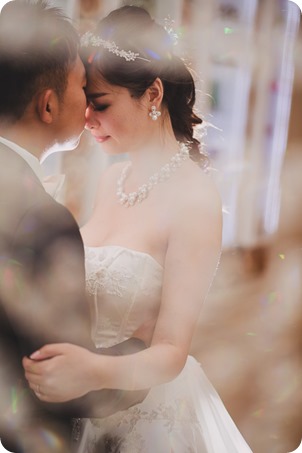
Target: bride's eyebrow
[(95, 95)]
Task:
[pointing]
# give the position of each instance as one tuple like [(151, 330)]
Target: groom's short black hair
[(38, 46)]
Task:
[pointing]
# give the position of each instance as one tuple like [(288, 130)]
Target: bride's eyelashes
[(98, 107)]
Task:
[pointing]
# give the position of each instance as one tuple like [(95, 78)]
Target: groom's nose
[(90, 117)]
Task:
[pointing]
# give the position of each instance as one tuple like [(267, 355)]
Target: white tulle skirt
[(185, 415)]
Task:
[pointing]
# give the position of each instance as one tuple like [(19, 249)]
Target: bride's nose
[(90, 117)]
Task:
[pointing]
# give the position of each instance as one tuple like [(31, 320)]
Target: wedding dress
[(185, 415)]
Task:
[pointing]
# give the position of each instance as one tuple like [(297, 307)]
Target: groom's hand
[(102, 403)]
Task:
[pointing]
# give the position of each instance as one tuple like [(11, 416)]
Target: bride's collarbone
[(129, 229), (147, 223)]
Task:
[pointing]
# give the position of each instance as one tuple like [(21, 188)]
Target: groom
[(42, 279)]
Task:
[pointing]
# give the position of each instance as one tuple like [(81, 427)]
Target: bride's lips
[(101, 139)]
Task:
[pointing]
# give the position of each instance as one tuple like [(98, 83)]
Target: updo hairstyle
[(131, 28)]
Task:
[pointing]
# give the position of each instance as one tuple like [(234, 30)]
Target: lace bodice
[(125, 286)]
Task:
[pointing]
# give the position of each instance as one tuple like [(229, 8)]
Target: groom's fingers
[(47, 352), (28, 364), (31, 367)]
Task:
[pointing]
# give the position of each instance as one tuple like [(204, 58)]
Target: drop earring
[(154, 114)]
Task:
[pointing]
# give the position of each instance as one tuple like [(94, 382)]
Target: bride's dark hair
[(131, 28)]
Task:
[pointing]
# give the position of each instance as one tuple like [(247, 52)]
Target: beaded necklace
[(162, 175)]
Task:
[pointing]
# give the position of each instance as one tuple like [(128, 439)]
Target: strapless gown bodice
[(185, 415), (125, 286)]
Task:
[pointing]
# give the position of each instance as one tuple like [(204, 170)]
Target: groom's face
[(71, 118)]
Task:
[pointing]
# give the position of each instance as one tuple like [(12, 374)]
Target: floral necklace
[(162, 175)]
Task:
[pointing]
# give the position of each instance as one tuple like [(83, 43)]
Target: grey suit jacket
[(42, 300)]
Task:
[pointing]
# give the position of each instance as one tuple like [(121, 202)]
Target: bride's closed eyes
[(97, 107)]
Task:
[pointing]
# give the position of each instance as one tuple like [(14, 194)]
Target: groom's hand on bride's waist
[(103, 403)]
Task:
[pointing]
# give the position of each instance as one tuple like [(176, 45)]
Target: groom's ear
[(47, 104)]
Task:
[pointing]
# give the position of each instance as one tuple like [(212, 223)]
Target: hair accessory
[(169, 26), (89, 39), (154, 114), (162, 175)]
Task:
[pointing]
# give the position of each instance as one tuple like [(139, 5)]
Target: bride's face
[(118, 121)]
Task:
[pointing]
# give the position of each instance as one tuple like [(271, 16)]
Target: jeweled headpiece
[(89, 39), (169, 26)]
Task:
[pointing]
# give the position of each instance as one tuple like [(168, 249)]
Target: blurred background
[(246, 56)]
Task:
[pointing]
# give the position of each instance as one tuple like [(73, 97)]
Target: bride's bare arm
[(191, 261), (190, 264)]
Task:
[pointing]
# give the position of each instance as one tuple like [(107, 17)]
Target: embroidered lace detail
[(182, 411), (134, 443), (101, 277)]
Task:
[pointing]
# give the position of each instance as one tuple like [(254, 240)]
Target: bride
[(152, 248)]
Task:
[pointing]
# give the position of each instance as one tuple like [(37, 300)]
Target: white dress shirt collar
[(31, 160)]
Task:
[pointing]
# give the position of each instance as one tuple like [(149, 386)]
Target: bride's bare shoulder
[(198, 190), (110, 176)]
